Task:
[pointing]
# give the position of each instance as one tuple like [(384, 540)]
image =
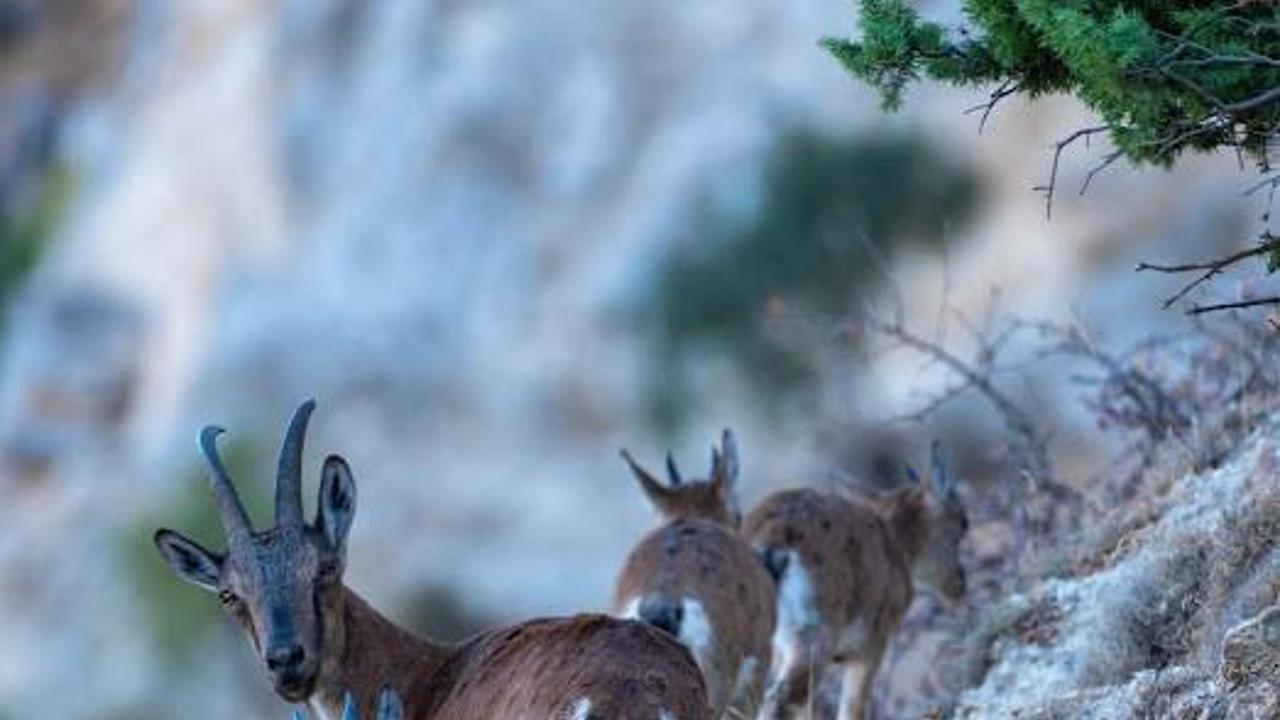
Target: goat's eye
[(226, 597)]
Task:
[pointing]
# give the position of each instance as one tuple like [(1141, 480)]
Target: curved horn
[(289, 471), (673, 472), (235, 521)]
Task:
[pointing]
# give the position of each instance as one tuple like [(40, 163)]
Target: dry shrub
[(1022, 617), (1243, 571)]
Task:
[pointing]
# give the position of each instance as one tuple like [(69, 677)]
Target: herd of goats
[(715, 616)]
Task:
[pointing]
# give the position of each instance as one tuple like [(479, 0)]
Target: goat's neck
[(370, 652), (909, 525)]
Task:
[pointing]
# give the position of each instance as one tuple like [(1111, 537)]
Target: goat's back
[(854, 565), (710, 563), (584, 666)]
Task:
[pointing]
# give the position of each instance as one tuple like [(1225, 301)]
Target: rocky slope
[(1169, 614)]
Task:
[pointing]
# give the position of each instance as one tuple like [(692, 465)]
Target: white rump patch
[(581, 708), (746, 673), (664, 715), (631, 611), (696, 632), (695, 627), (797, 611)]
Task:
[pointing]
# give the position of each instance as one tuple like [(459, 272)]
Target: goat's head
[(282, 585), (931, 520), (714, 498)]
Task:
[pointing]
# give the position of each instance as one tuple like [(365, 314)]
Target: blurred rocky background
[(497, 241)]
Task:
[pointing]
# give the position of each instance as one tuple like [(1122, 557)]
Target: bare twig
[(1125, 393), (1030, 445), (924, 412), (1006, 88), (1049, 187), (1237, 305), (1269, 243), (1253, 103), (1269, 181), (1110, 157)]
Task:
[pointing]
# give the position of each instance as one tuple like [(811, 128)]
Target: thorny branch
[(1033, 475)]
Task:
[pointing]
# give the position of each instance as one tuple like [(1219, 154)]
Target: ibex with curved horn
[(699, 580), (844, 569), (319, 641)]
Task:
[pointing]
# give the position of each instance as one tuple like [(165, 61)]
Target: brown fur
[(702, 561), (537, 669), (712, 498), (698, 556), (858, 559), (704, 500), (319, 641)]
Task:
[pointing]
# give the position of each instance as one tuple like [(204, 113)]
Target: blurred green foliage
[(25, 231), (178, 614), (1164, 75), (831, 211), (442, 614)]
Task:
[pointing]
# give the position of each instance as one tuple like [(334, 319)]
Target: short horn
[(913, 477), (289, 471), (673, 472), (235, 521)]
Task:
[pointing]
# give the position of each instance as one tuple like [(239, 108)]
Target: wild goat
[(319, 641), (844, 570), (698, 579)]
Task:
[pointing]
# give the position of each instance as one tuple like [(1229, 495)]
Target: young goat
[(319, 641), (844, 570), (698, 579)]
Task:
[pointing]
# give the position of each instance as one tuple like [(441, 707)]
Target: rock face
[(1139, 636), (1251, 650), (424, 214)]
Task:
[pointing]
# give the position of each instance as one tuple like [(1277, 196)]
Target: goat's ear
[(941, 484), (657, 493), (337, 506), (724, 464), (188, 560)]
